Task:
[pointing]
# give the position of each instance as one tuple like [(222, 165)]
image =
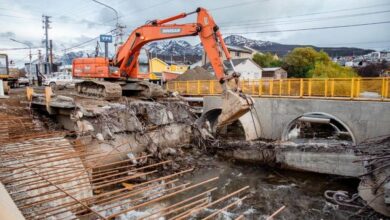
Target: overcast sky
[(76, 21)]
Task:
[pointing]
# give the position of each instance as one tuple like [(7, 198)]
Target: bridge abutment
[(363, 119)]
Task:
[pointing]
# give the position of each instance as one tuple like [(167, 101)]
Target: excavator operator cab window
[(113, 69)]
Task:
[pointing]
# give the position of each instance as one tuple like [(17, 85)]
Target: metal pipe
[(193, 99), (314, 120)]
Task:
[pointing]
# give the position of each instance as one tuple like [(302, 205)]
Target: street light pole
[(30, 56)]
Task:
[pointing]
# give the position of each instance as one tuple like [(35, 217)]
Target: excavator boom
[(126, 59)]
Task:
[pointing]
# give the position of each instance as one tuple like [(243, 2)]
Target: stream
[(270, 189)]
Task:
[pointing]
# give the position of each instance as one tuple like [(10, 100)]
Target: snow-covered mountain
[(66, 59), (237, 40), (172, 47), (182, 51)]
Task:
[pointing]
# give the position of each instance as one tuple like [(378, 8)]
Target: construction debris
[(198, 73), (48, 177)]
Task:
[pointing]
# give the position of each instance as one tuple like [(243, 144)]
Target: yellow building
[(178, 68), (158, 66)]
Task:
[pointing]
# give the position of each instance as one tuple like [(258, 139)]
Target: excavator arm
[(234, 103), (207, 30)]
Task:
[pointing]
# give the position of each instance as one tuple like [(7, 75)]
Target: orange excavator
[(121, 74)]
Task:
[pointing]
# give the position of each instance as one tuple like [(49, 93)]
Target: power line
[(305, 20), (312, 28), (141, 10), (250, 2), (14, 16), (363, 42), (313, 13), (95, 38), (20, 48), (235, 5), (86, 42)]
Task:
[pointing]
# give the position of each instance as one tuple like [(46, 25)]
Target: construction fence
[(337, 88)]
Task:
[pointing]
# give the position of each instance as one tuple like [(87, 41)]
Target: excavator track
[(99, 90)]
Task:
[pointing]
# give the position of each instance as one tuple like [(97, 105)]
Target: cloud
[(7, 34), (29, 43), (73, 25), (106, 16)]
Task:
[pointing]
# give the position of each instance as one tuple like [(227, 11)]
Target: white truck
[(60, 80)]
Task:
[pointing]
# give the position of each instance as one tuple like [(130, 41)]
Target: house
[(177, 67), (168, 76), (159, 66), (235, 53), (248, 68), (274, 73)]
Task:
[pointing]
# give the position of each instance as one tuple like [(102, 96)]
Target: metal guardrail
[(330, 88)]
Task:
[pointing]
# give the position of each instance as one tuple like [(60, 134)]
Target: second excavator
[(112, 78)]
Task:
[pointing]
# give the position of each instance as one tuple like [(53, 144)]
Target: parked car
[(23, 81), (60, 80)]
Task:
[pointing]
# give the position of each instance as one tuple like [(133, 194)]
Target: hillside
[(183, 52), (283, 49)]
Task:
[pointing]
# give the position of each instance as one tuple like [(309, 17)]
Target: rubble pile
[(198, 73), (374, 187), (159, 128)]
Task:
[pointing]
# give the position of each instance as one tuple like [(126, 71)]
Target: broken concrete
[(132, 125), (330, 161)]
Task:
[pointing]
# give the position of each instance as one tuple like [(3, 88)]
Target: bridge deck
[(362, 89)]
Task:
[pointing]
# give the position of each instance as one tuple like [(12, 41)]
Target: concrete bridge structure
[(273, 118)]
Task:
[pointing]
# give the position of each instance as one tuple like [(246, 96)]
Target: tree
[(298, 62), (266, 60), (331, 70), (307, 62)]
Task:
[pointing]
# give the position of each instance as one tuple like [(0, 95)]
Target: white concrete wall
[(233, 55), (365, 119), (249, 70), (321, 162)]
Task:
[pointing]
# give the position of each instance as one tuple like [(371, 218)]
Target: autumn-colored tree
[(331, 70), (266, 60)]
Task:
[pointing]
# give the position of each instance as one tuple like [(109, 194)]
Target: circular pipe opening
[(317, 127)]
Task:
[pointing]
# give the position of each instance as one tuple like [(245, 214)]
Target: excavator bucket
[(234, 105)]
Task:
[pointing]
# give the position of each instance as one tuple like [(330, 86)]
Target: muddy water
[(302, 193)]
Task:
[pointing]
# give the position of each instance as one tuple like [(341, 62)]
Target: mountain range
[(182, 51), (181, 47), (283, 49)]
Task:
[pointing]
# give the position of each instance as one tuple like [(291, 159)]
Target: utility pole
[(46, 25), (105, 49), (38, 66), (120, 34), (51, 55), (97, 49)]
